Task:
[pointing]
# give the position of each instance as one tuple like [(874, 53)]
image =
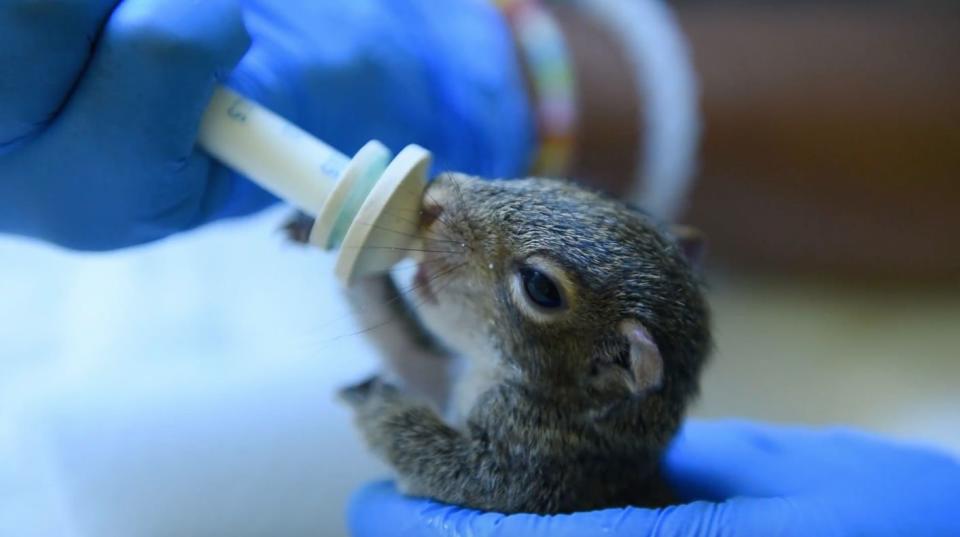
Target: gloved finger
[(44, 46), (378, 509), (777, 516), (399, 72), (723, 459), (144, 94), (497, 142)]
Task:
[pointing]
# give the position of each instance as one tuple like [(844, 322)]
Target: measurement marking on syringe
[(333, 166), (238, 111)]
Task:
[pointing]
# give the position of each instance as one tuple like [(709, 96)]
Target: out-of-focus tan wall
[(832, 136)]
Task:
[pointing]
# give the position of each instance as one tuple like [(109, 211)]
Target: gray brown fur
[(555, 426)]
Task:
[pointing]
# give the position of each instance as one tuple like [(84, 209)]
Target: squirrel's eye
[(540, 288)]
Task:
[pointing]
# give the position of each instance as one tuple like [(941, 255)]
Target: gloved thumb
[(378, 509)]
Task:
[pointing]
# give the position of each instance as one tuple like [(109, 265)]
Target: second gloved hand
[(743, 480), (440, 74), (100, 101)]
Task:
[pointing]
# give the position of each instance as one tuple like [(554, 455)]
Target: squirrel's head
[(569, 289)]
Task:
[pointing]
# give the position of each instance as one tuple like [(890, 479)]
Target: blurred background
[(829, 189), (187, 387)]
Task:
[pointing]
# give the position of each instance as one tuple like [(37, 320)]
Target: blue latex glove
[(100, 101), (749, 480)]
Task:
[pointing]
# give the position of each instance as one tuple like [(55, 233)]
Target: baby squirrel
[(581, 329)]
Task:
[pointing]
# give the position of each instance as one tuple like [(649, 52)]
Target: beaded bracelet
[(544, 50)]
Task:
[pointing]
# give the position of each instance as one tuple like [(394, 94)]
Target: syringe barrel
[(269, 150)]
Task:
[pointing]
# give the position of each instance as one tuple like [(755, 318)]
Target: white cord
[(667, 87)]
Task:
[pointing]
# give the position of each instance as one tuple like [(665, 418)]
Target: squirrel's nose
[(430, 212)]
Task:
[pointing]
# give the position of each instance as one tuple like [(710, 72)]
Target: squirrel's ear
[(646, 364), (692, 243)]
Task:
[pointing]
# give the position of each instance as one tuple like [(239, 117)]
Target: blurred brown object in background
[(832, 136)]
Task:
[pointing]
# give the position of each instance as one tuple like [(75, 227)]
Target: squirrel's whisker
[(399, 296), (428, 234), (389, 230), (398, 248), (428, 262)]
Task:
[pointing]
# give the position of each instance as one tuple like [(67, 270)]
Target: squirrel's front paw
[(376, 405)]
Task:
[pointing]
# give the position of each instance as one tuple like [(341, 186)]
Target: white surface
[(185, 388)]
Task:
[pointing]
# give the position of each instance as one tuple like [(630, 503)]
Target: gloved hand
[(743, 479), (100, 101)]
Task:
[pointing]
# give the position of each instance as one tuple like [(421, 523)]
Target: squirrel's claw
[(363, 393), (358, 393)]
